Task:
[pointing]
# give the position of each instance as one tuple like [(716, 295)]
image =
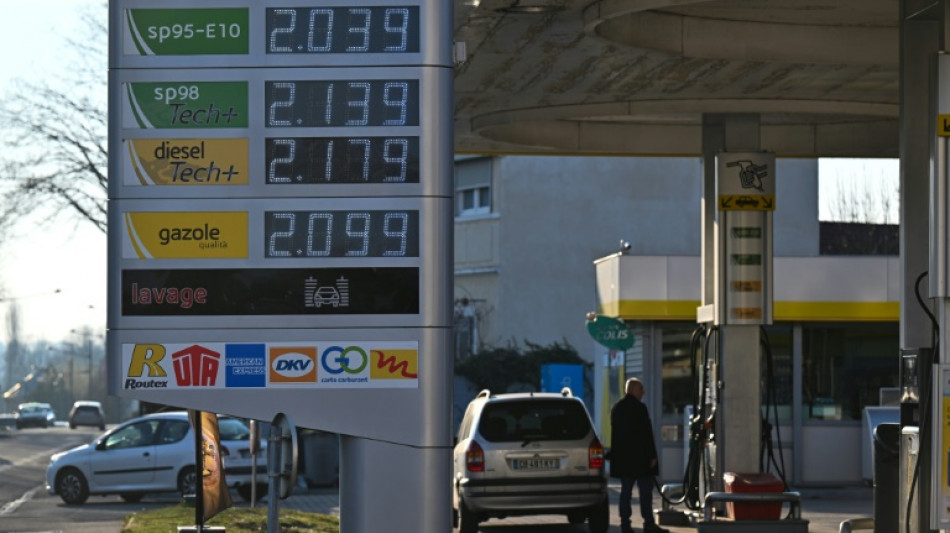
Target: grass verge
[(234, 520)]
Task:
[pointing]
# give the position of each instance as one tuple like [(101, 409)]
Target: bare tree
[(864, 198), (55, 138), (13, 363)]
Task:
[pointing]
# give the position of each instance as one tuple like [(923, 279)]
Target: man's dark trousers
[(645, 490)]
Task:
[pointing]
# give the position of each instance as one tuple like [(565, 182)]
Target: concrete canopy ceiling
[(636, 76)]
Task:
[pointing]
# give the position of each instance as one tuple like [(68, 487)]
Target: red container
[(756, 483)]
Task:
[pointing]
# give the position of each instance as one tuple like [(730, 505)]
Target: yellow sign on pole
[(943, 125), (741, 202)]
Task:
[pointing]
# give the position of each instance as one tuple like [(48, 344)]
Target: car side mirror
[(100, 445)]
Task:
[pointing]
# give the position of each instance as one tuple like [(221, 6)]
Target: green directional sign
[(747, 232), (175, 32), (747, 259), (185, 104), (610, 332)]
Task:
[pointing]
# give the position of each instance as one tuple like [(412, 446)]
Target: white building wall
[(553, 216)]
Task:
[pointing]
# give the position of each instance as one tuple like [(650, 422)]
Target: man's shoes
[(653, 528), (626, 529)]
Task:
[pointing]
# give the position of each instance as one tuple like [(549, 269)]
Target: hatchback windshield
[(534, 419), (232, 429)]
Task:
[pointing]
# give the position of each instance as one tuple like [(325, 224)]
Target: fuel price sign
[(281, 199)]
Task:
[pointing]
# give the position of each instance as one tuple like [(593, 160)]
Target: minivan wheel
[(468, 520), (72, 487), (599, 517)]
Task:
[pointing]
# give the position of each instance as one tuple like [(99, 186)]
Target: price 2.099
[(353, 233)]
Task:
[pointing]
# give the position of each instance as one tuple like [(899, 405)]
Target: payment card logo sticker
[(186, 162), (185, 235), (344, 365), (245, 365), (196, 366), (380, 365), (293, 364), (394, 364), (144, 364)]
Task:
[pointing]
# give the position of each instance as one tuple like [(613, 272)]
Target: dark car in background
[(34, 414), (87, 413)]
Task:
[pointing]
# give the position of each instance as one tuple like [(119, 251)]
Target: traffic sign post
[(280, 227), (610, 332)]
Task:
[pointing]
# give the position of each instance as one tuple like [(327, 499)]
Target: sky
[(56, 275)]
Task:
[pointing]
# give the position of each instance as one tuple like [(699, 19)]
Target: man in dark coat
[(633, 456)]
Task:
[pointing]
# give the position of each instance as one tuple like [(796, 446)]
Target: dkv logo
[(295, 364)]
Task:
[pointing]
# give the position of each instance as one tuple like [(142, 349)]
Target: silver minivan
[(528, 454)]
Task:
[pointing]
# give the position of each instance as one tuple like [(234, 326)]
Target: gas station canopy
[(637, 76)]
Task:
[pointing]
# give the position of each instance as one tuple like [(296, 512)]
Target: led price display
[(318, 103), (317, 30), (342, 160), (351, 233)]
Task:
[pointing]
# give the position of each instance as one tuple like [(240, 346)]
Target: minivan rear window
[(534, 419)]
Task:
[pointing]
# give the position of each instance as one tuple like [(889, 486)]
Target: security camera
[(624, 246)]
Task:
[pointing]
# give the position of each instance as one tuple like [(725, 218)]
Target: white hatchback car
[(153, 453)]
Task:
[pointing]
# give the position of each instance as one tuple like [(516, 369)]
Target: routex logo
[(293, 364), (146, 362)]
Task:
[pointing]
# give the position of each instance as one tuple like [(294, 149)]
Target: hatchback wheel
[(72, 487), (187, 481), (468, 520)]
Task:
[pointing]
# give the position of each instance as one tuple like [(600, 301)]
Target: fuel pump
[(728, 438)]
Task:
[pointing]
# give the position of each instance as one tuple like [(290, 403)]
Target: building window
[(473, 178), (845, 366), (778, 385)]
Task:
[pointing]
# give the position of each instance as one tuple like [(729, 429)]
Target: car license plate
[(536, 464)]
